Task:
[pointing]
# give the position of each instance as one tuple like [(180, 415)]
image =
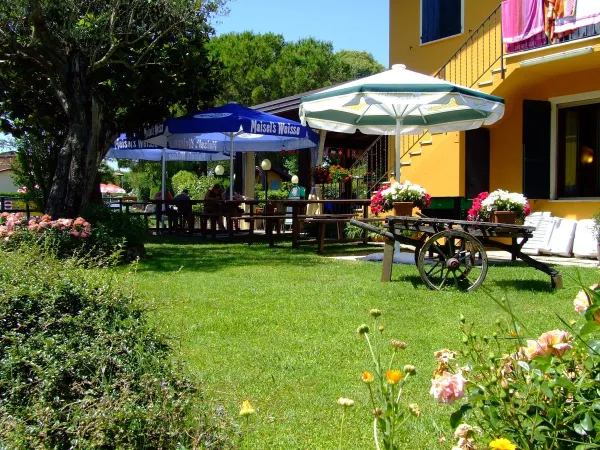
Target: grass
[(277, 327)]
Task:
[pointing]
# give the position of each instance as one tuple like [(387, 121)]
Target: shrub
[(273, 195), (115, 226), (540, 392), (184, 180), (81, 368)]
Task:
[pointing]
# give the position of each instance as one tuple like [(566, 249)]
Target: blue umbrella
[(234, 128), (136, 149)]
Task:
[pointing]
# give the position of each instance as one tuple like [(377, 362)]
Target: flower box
[(507, 217), (492, 207), (413, 194)]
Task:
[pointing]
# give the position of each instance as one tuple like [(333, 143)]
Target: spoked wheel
[(457, 259)]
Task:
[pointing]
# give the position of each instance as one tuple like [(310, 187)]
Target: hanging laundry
[(587, 13), (553, 11), (523, 24)]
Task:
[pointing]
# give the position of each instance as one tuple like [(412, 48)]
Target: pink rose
[(581, 302), (75, 233), (448, 388), (556, 341), (445, 355)]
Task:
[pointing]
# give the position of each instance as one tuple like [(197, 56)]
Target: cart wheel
[(458, 258)]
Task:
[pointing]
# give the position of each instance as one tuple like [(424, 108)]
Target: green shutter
[(536, 149)]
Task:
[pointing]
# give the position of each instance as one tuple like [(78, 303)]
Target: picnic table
[(453, 252)]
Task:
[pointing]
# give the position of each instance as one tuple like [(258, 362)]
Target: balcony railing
[(476, 58)]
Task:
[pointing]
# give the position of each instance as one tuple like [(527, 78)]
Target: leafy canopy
[(262, 67)]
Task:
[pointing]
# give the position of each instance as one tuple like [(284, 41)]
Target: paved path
[(493, 256)]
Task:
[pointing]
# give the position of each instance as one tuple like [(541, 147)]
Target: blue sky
[(348, 24)]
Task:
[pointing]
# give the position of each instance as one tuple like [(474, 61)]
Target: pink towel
[(521, 20), (587, 12), (569, 6)]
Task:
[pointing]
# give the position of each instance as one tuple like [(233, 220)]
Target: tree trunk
[(86, 143)]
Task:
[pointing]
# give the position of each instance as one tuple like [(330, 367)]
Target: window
[(578, 168), (440, 19)]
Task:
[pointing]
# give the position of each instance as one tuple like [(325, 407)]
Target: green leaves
[(258, 68), (457, 416)]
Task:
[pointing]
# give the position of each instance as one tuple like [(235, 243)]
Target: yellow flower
[(393, 376), (247, 409), (367, 377), (502, 444)]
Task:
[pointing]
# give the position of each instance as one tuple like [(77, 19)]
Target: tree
[(37, 155), (94, 68), (358, 64), (262, 67)]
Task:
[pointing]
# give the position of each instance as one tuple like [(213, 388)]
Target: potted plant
[(402, 198), (320, 175), (499, 207), (596, 219), (339, 174)]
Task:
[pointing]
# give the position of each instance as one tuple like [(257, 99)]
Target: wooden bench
[(339, 220)]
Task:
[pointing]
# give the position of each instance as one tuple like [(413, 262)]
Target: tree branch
[(46, 38)]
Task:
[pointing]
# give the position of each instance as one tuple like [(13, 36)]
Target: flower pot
[(508, 217), (403, 208)]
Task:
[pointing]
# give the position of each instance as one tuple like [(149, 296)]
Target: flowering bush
[(338, 174), (537, 393), (384, 198), (485, 203), (386, 385), (320, 175)]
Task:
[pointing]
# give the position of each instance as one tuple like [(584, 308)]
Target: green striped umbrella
[(399, 101)]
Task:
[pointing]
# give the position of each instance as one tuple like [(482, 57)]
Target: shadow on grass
[(525, 285), (174, 253), (415, 280)]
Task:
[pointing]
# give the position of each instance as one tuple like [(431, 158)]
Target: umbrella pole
[(164, 174), (231, 168), (398, 144)]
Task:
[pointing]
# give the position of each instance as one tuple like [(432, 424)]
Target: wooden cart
[(453, 252)]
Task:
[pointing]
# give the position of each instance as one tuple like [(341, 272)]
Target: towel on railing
[(587, 12), (521, 20)]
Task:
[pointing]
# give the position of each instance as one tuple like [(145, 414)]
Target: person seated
[(164, 209), (213, 208), (184, 207)]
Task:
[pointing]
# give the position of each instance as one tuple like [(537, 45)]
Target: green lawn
[(277, 327)]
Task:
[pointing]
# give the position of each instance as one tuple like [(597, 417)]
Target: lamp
[(219, 170), (295, 179), (266, 166), (556, 56)]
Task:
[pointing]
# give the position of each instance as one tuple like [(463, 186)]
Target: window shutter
[(536, 149)]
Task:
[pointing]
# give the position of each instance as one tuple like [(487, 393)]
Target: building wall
[(405, 34), (506, 146), (439, 168), (6, 182)]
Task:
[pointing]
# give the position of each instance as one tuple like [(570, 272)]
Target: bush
[(540, 392), (116, 226), (81, 368), (184, 180), (273, 195)]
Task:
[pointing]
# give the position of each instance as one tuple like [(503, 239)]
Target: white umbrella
[(397, 102)]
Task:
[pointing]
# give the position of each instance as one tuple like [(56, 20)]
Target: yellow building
[(548, 143)]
